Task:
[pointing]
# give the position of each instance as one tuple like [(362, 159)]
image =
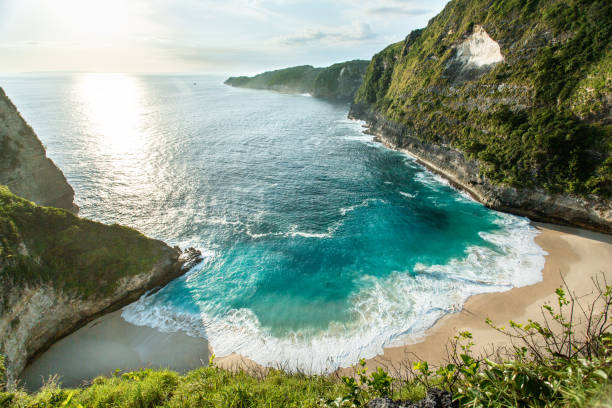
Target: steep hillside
[(24, 166), (288, 80), (509, 99), (58, 271), (336, 82)]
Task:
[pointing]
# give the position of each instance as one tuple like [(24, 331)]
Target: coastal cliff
[(59, 271), (336, 82), (24, 165), (511, 101)]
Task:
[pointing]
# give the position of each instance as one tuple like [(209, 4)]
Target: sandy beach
[(574, 255), (109, 343)]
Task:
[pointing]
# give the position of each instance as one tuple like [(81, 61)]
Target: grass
[(45, 245)]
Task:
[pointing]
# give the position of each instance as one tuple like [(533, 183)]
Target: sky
[(230, 37)]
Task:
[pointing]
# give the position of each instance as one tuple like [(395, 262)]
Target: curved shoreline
[(575, 256)]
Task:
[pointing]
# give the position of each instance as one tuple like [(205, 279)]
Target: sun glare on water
[(112, 104)]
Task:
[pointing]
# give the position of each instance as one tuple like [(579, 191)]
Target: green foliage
[(361, 388), (538, 120), (204, 387), (48, 245), (298, 79), (338, 81), (2, 373), (552, 366)]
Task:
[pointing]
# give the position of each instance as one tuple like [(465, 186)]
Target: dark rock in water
[(190, 258), (435, 398)]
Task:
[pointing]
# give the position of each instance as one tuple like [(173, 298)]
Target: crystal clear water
[(321, 246)]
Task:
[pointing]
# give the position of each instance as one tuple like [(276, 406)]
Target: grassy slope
[(50, 245), (557, 65)]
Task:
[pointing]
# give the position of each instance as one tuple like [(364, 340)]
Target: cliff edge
[(24, 165), (510, 100), (59, 271)]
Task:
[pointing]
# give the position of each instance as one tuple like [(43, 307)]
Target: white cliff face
[(479, 50)]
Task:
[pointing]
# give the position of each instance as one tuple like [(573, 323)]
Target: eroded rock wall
[(592, 213)]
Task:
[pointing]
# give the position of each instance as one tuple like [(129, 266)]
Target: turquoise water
[(321, 246)]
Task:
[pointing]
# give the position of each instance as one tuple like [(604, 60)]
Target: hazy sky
[(232, 36)]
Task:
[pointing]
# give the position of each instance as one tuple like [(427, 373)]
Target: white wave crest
[(364, 203), (388, 311)]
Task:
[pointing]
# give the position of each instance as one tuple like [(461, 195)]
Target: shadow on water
[(109, 346)]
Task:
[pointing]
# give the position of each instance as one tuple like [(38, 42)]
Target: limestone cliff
[(337, 82), (24, 165), (58, 271), (510, 100)]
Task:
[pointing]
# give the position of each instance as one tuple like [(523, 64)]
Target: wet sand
[(575, 256), (109, 343)]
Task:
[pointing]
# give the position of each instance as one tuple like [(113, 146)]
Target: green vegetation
[(564, 360), (338, 81), (540, 119), (40, 245), (294, 80)]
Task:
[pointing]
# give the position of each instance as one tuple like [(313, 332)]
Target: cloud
[(397, 10), (355, 32)]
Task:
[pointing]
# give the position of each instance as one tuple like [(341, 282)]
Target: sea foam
[(387, 311)]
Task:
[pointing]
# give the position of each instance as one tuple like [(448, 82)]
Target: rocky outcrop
[(474, 56), (59, 271), (337, 82), (24, 165), (36, 316), (592, 213)]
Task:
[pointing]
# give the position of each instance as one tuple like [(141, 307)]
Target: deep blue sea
[(320, 245)]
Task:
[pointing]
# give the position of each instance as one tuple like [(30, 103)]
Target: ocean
[(321, 246)]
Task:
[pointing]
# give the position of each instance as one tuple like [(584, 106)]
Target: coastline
[(109, 342), (575, 256), (593, 213)]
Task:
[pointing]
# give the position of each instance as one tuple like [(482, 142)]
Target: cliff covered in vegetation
[(511, 100), (58, 271), (24, 166), (336, 82)]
